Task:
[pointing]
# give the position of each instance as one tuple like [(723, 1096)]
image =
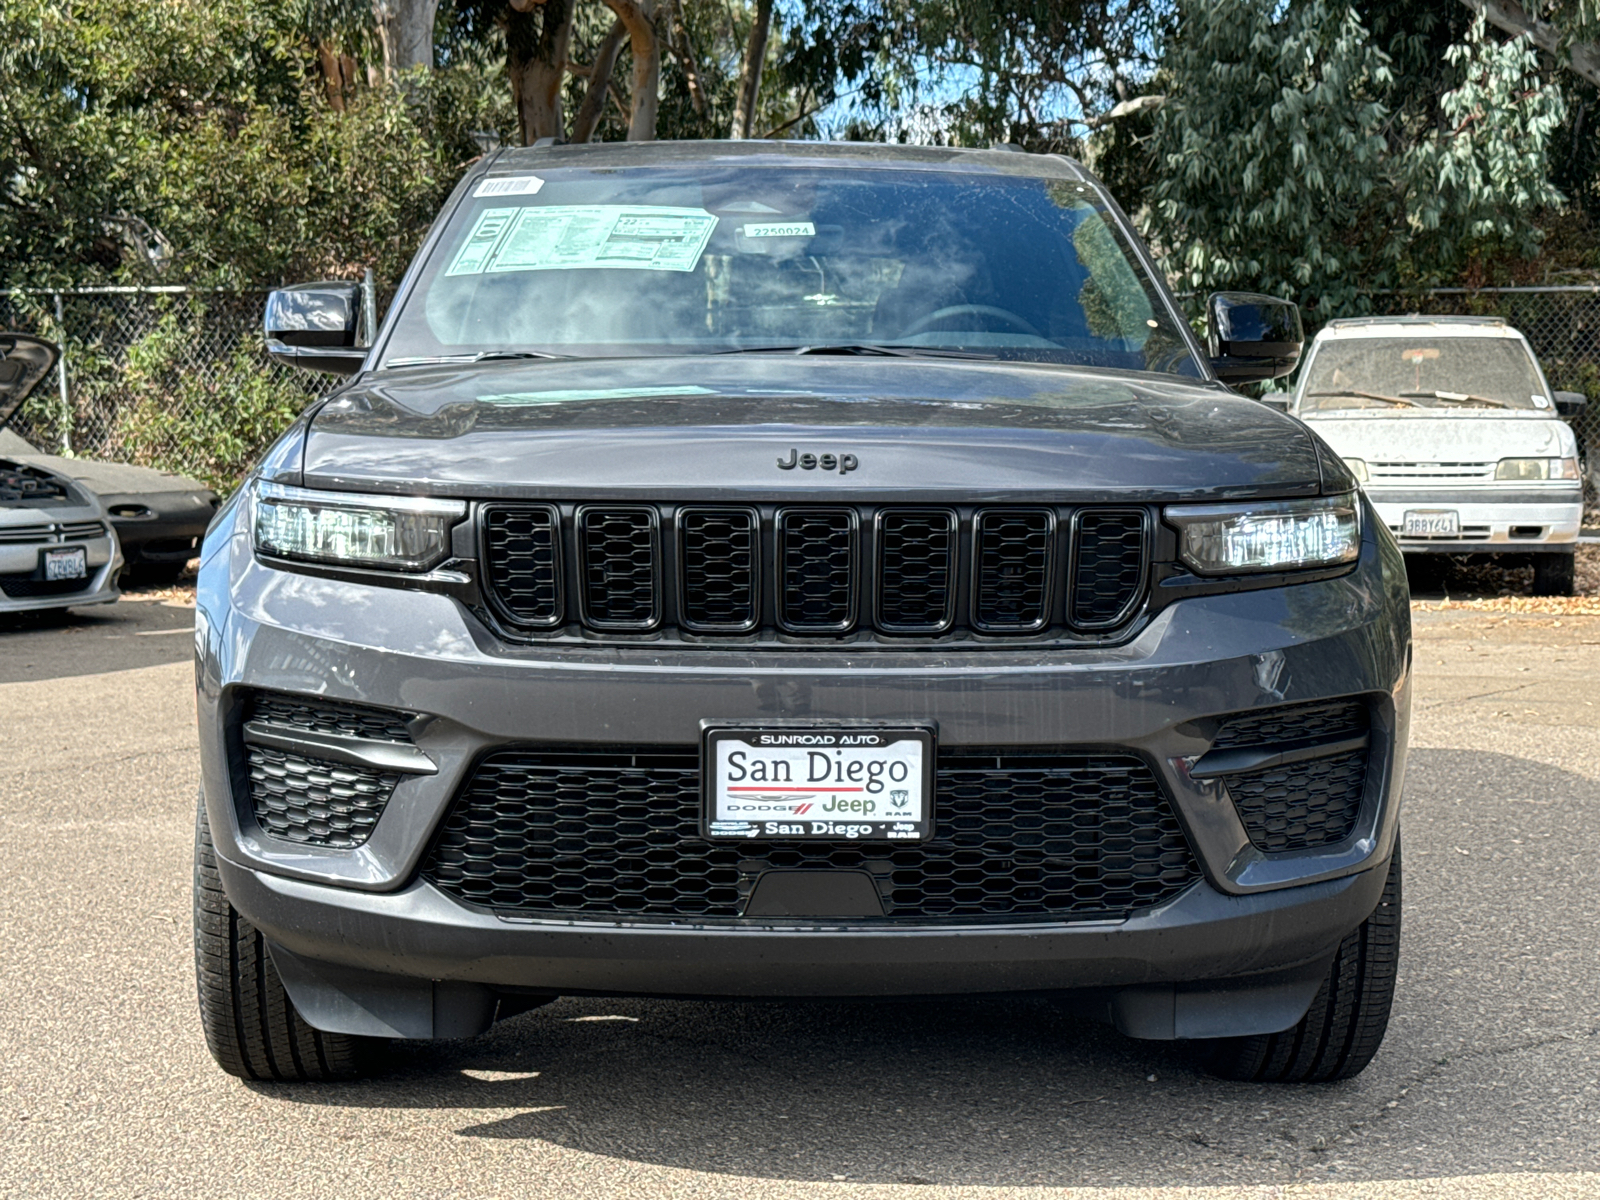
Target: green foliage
[(1288, 161)]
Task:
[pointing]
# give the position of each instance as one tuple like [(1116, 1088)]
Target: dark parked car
[(754, 570)]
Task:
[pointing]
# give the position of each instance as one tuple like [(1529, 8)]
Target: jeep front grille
[(616, 834), (894, 573)]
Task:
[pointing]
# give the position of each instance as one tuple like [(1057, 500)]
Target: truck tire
[(1554, 574), (1345, 1024), (251, 1028)]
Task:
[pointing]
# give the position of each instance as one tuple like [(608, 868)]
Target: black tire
[(1345, 1024), (251, 1028), (1554, 574)]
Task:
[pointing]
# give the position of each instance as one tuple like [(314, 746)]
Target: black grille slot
[(316, 715), (916, 570), (1012, 554), (721, 556), (522, 560), (576, 833), (1303, 804), (1108, 566), (315, 803), (817, 561), (619, 552), (1325, 722)]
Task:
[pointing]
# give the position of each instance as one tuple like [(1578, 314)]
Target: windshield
[(721, 259), (1402, 373)]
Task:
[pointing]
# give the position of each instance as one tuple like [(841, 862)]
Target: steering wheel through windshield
[(1001, 315)]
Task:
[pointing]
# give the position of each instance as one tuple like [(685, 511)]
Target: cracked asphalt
[(1488, 1084)]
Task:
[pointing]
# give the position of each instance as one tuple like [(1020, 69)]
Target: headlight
[(1227, 539), (1358, 468), (1537, 468), (400, 533)]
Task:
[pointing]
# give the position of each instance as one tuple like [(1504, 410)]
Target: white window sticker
[(1539, 401), (627, 237), (510, 185), (780, 229), (481, 242)]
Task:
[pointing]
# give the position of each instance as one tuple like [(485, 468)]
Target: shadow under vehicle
[(796, 570)]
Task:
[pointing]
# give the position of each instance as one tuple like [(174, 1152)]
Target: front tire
[(251, 1027), (1555, 574), (1345, 1024)]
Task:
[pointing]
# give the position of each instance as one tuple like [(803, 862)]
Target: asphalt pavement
[(1488, 1084)]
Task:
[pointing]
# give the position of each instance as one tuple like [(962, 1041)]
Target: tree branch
[(594, 100), (635, 14), (755, 55), (1582, 58)]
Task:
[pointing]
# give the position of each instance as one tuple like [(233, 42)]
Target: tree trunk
[(338, 72), (636, 15), (536, 60), (405, 30), (594, 100), (1583, 58), (755, 57), (681, 45)]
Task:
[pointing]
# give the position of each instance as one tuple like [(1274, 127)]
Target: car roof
[(1415, 324), (998, 160)]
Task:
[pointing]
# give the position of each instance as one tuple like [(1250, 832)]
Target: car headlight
[(1358, 468), (397, 533), (1229, 539), (1537, 468)]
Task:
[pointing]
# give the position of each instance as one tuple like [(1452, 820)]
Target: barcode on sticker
[(513, 185), (781, 229)]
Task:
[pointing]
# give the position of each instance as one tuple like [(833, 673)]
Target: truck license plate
[(818, 783), (66, 564), (1432, 523)]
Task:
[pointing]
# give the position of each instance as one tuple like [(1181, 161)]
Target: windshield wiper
[(1461, 398), (428, 360), (862, 348), (1372, 396)]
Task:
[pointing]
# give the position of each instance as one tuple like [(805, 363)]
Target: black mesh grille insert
[(817, 554), (916, 568), (317, 715), (1108, 565), (609, 835), (619, 551), (522, 559), (1011, 561), (1293, 723), (24, 587), (1310, 803), (315, 803), (721, 554)]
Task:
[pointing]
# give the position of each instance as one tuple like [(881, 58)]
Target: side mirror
[(313, 325), (1277, 400), (1252, 337), (24, 362), (1570, 404)]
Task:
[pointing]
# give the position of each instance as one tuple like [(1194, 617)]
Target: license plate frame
[(837, 810), (1431, 523), (70, 562)]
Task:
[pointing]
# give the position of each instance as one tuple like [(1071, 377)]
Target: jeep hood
[(703, 427)]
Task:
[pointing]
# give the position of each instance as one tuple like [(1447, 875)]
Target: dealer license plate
[(818, 783), (72, 563), (1432, 523)]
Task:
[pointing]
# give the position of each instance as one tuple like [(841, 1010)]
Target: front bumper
[(360, 923), (1493, 521), (21, 561)]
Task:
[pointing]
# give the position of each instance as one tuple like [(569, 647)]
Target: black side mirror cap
[(1570, 404), (1252, 337), (1277, 400), (314, 325), (24, 362)]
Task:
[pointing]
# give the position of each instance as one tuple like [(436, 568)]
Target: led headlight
[(1228, 539), (397, 533), (1537, 468), (1358, 468)]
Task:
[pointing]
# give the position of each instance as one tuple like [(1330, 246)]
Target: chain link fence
[(179, 379)]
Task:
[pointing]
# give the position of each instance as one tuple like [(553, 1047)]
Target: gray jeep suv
[(759, 570)]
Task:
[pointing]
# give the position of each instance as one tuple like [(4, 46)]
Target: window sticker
[(565, 396), (627, 237), (485, 236), (780, 229), (1539, 401), (510, 185)]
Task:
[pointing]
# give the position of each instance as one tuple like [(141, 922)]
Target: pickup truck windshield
[(753, 259), (1399, 373)]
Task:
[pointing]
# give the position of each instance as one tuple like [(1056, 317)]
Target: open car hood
[(24, 362)]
